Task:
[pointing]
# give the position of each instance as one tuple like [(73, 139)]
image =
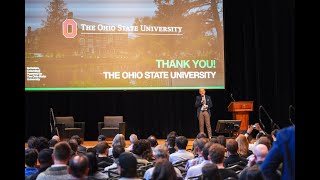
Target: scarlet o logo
[(69, 23)]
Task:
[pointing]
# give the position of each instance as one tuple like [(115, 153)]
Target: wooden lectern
[(240, 111)]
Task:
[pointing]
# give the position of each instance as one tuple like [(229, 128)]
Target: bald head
[(260, 151), (79, 166), (202, 92)]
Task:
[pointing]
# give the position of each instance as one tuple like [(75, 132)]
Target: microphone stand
[(271, 121), (263, 127)]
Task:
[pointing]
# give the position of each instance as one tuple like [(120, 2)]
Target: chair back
[(67, 120), (112, 121)]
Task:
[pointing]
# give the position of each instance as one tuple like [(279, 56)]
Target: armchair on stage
[(111, 126), (67, 127)]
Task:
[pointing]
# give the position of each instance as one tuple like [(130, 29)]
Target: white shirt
[(110, 151), (149, 172), (180, 155), (112, 166), (193, 162), (196, 170)]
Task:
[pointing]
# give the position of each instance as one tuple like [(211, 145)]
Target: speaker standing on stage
[(203, 105)]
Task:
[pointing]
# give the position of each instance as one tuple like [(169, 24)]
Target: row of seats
[(66, 127)]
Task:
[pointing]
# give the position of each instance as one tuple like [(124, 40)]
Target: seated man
[(81, 148), (199, 145), (160, 153), (133, 139), (45, 160), (116, 151), (142, 151), (30, 157), (61, 155), (197, 169), (102, 150), (128, 167), (153, 142), (233, 156), (79, 167), (216, 155), (181, 154)]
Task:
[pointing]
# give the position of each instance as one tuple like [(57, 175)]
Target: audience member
[(216, 155), (243, 146), (128, 167), (78, 167), (199, 135), (282, 151), (55, 137), (164, 170), (181, 154), (214, 140), (264, 140), (160, 153), (81, 148), (116, 151), (32, 141), (93, 173), (171, 141), (102, 159), (41, 143), (260, 152), (210, 172), (197, 169), (52, 143), (118, 140), (222, 140), (61, 155), (101, 138), (233, 156), (153, 142), (133, 139), (74, 146), (30, 157), (45, 160), (142, 151), (199, 145)]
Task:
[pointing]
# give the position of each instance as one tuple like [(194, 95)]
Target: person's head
[(153, 141), (93, 163), (260, 152), (222, 140), (119, 140), (77, 138), (216, 153), (45, 158), (202, 92), (252, 173), (61, 153), (210, 171), (133, 138), (164, 170), (55, 137), (143, 149), (172, 133), (243, 145), (181, 142), (232, 146), (41, 143), (52, 143), (73, 145), (128, 165), (214, 140), (264, 140), (200, 144), (78, 166), (101, 138), (171, 141), (117, 150), (31, 157), (32, 142), (102, 148), (205, 150), (259, 135), (92, 150), (201, 135), (274, 134), (161, 152)]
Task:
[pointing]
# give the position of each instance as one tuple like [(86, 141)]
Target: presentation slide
[(124, 45)]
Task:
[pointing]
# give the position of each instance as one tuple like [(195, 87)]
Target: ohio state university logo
[(72, 30)]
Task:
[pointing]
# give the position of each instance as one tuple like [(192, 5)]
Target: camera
[(254, 126)]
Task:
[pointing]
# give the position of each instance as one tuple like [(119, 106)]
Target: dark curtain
[(259, 62)]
